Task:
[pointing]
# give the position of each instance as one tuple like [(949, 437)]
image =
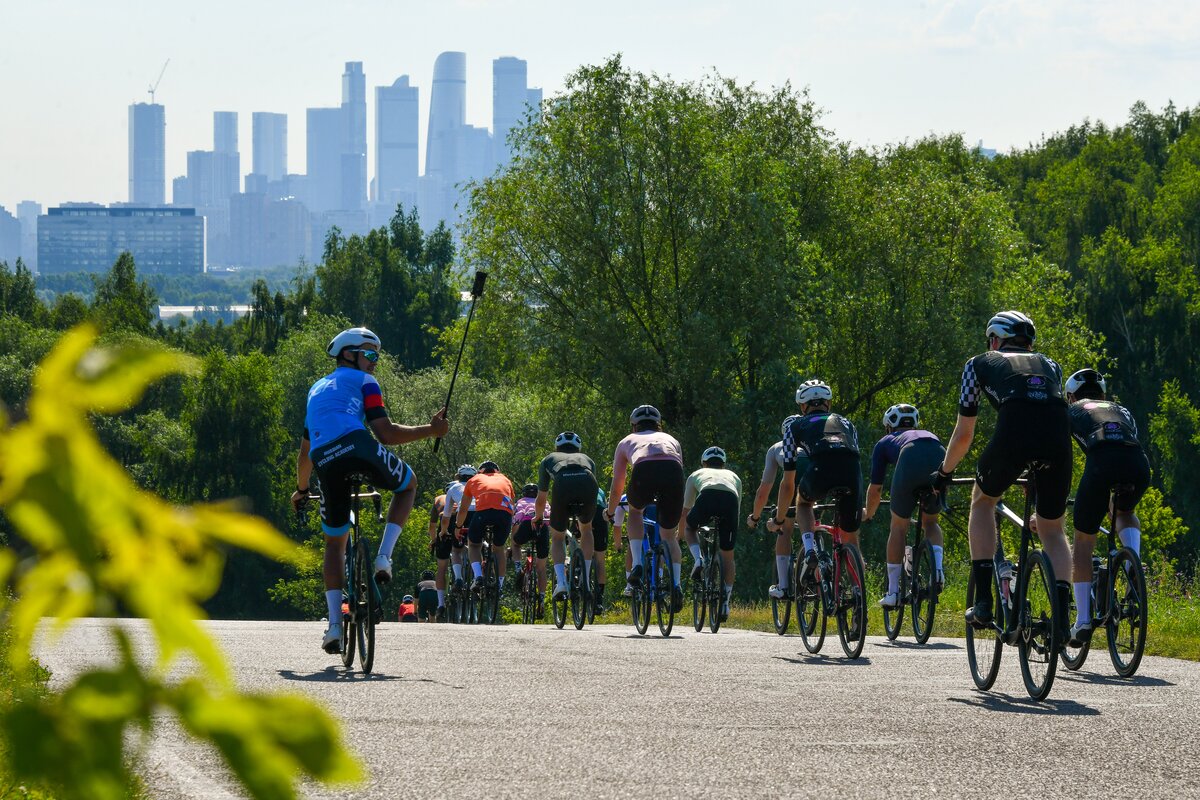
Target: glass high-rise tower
[(147, 154)]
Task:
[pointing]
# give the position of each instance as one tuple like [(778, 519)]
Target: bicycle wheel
[(924, 592), (1129, 613), (1037, 642), (714, 582), (1073, 657), (528, 596), (559, 604), (810, 611), (490, 611), (366, 619), (349, 637), (984, 645), (663, 600), (349, 634), (578, 594), (699, 606), (893, 617), (639, 605), (781, 607), (851, 602)]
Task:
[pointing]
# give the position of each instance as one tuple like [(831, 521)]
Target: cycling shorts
[(339, 465), (916, 462), (573, 493), (427, 603), (540, 537), (836, 469), (717, 503), (659, 482), (500, 522), (1029, 432), (600, 531), (1109, 465)]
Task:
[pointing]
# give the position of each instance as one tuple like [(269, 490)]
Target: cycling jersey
[(341, 402), (1096, 422), (490, 491), (708, 478), (645, 446), (916, 454), (454, 497), (1009, 374), (887, 450), (815, 433), (773, 463), (525, 508), (558, 465)]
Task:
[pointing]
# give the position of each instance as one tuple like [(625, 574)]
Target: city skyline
[(1004, 72)]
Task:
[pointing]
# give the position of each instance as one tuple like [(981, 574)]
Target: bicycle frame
[(1011, 630)]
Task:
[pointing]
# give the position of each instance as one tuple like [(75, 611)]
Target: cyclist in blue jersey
[(337, 444)]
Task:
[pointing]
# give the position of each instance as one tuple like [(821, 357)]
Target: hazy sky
[(1004, 71)]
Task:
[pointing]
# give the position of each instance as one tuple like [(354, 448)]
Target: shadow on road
[(914, 646), (340, 675), (821, 658), (641, 636), (1112, 680), (1024, 705)]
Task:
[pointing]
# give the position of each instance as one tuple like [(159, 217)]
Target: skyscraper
[(397, 133), (326, 131), (270, 144), (447, 114), (354, 145), (225, 132), (147, 153), (28, 212), (510, 88), (227, 162)]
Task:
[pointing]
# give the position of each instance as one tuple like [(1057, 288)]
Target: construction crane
[(154, 88)]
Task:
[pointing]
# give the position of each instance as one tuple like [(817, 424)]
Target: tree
[(122, 302)]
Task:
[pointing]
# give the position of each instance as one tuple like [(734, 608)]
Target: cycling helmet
[(713, 452), (450, 485), (351, 337), (787, 423), (489, 466), (568, 438), (427, 575), (1083, 377), (895, 416), (1010, 325), (408, 598), (645, 414), (529, 490), (466, 471), (813, 390)]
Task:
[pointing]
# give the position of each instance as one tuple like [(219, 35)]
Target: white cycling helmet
[(713, 452), (1011, 324), (1085, 376), (644, 414), (467, 471), (899, 413), (810, 391), (351, 337), (569, 438)]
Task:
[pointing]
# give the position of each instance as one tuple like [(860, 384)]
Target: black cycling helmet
[(427, 575), (529, 490), (489, 466)]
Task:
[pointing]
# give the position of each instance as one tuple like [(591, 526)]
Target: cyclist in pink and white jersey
[(656, 477)]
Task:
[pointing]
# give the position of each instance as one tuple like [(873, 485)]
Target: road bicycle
[(708, 591), (459, 608), (656, 584), (781, 607), (1028, 614), (529, 596), (486, 605), (580, 599), (1119, 603), (919, 588), (362, 602), (833, 588)]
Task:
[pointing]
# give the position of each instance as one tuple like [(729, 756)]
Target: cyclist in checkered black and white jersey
[(1026, 389)]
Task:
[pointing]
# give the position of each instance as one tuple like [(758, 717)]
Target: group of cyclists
[(818, 457)]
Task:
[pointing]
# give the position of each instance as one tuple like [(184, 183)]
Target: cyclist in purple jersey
[(916, 453), (337, 445)]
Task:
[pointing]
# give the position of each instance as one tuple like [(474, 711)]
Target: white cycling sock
[(1132, 538), (501, 581), (782, 564), (1083, 601), (477, 568), (810, 541), (728, 591), (894, 571), (937, 555), (635, 550), (441, 597), (457, 571), (333, 599), (560, 574), (391, 535), (587, 566), (695, 548), (676, 571)]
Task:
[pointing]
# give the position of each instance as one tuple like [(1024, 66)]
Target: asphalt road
[(520, 711)]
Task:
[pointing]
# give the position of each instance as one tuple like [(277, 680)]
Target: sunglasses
[(369, 355)]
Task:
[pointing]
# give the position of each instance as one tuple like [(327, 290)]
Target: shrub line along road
[(509, 711)]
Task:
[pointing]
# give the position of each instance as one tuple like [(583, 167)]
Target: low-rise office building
[(89, 238)]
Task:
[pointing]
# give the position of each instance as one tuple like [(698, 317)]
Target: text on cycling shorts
[(831, 443), (1025, 388), (916, 453), (1114, 457)]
